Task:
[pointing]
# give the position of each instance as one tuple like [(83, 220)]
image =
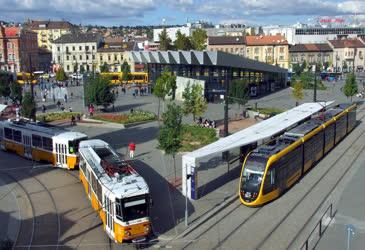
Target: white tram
[(41, 142), (116, 191)]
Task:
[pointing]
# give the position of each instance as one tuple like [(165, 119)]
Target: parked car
[(52, 75)]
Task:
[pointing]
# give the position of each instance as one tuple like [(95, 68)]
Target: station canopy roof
[(207, 58), (260, 131)]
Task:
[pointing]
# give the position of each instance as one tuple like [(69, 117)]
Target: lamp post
[(188, 176), (314, 69)]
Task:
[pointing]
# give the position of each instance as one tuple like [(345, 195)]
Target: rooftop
[(266, 40), (310, 47), (226, 40), (78, 38), (346, 43), (47, 24)]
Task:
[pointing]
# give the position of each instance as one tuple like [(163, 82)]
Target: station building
[(216, 68)]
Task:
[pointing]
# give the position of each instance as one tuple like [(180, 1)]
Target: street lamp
[(188, 176), (315, 83)]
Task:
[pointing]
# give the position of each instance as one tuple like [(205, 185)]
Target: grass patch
[(136, 116), (269, 111), (194, 137), (56, 116)]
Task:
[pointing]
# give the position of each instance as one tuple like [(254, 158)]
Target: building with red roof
[(348, 54), (311, 53), (18, 49)]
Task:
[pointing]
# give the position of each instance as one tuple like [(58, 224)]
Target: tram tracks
[(303, 198), (258, 212)]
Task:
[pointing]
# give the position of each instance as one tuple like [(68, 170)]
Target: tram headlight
[(147, 228), (127, 233)]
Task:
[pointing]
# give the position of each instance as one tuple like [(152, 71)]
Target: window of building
[(93, 57), (231, 50), (248, 51), (68, 67), (67, 58), (87, 48), (37, 141), (80, 48), (360, 55), (93, 47), (9, 45), (58, 58), (87, 57), (47, 143), (281, 49), (74, 57), (73, 48), (80, 57), (101, 58), (58, 48), (108, 57), (256, 58), (257, 50), (115, 57), (281, 58)]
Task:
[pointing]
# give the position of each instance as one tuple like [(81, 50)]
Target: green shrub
[(269, 111), (56, 116), (194, 137)]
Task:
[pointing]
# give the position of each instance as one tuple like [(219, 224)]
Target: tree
[(16, 92), (169, 138), (297, 92), (198, 39), (104, 68), (61, 75), (28, 109), (165, 40), (194, 102), (126, 70), (297, 69), (304, 65), (82, 69), (182, 42), (165, 85), (350, 88), (4, 84), (98, 91), (238, 92)]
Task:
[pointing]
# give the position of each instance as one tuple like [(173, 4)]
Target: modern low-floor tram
[(272, 168), (41, 142)]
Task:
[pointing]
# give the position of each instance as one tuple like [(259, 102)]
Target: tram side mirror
[(151, 202)]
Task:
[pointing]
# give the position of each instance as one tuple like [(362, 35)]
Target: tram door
[(27, 147), (109, 210), (61, 155)]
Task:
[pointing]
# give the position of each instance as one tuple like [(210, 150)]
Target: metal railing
[(320, 228)]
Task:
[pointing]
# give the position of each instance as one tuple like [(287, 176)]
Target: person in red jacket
[(132, 148)]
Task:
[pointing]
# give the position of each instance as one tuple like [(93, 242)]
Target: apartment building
[(268, 49), (230, 44)]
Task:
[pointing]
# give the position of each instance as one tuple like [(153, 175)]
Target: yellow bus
[(134, 77), (24, 77)]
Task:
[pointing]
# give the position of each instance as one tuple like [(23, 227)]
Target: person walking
[(132, 148), (43, 109)]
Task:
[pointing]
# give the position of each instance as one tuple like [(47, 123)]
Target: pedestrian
[(70, 109), (73, 120), (54, 98), (62, 107), (78, 116), (43, 108), (91, 110), (65, 97), (58, 104), (132, 148)]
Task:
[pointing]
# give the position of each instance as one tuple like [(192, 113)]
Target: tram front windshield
[(73, 146), (252, 175), (133, 208)]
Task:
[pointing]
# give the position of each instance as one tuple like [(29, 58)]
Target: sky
[(153, 12)]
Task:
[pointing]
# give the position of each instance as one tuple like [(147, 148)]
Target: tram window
[(47, 143), (8, 133), (73, 146), (37, 141), (17, 134), (118, 209), (82, 164), (93, 183), (272, 176), (98, 191)]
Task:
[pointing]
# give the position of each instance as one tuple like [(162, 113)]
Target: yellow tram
[(274, 167), (41, 142), (116, 191)]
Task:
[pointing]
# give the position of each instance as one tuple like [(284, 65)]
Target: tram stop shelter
[(254, 135)]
